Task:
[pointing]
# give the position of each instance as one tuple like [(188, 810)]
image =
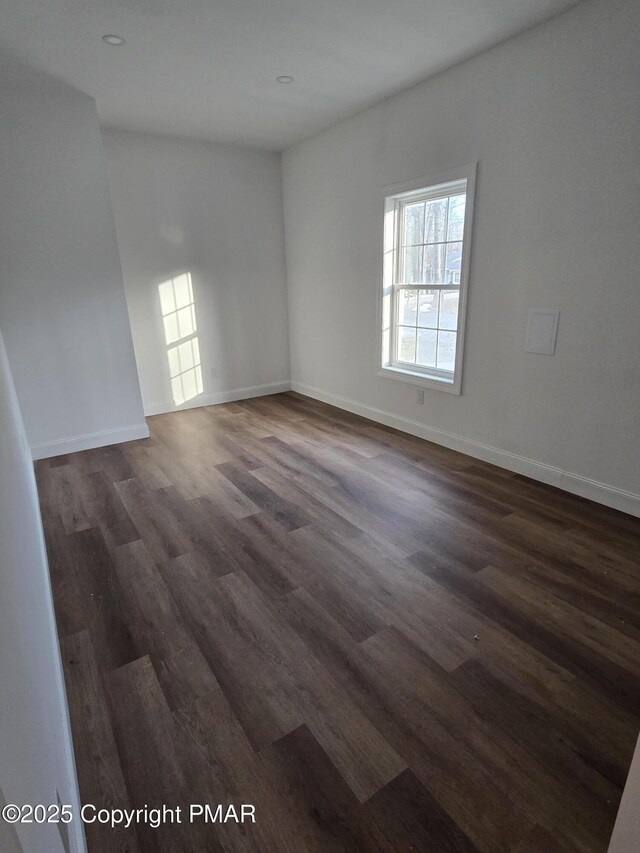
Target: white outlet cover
[(542, 330)]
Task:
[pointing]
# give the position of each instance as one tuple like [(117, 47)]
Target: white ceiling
[(207, 68)]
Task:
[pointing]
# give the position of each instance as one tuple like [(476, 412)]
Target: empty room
[(319, 426)]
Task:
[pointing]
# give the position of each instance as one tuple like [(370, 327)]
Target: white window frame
[(394, 196)]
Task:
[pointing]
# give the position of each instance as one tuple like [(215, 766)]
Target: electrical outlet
[(214, 372), (420, 398)]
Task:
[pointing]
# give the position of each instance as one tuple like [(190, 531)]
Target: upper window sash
[(438, 192)]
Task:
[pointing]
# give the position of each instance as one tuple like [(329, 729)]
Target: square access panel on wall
[(542, 330)]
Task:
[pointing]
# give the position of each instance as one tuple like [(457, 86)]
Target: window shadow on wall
[(180, 333)]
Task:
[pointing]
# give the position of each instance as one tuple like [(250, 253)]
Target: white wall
[(62, 306), (9, 841), (36, 755), (215, 211), (553, 119), (626, 832)]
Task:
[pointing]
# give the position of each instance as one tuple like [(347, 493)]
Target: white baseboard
[(220, 397), (89, 441), (602, 493)]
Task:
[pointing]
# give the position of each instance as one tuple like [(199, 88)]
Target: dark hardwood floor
[(381, 644)]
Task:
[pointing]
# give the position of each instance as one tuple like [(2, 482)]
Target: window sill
[(450, 386)]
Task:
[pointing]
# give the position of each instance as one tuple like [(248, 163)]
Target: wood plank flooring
[(379, 643)]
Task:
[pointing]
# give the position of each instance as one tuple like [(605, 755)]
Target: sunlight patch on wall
[(183, 352)]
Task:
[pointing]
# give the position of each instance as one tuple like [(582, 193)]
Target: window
[(427, 233), (183, 353)]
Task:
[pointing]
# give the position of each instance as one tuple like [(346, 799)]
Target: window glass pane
[(449, 301), (167, 302), (412, 265), (199, 385), (182, 291), (171, 333), (428, 308), (427, 347), (446, 350), (406, 344), (407, 305), (457, 205), (413, 224), (434, 264), (454, 263), (435, 221)]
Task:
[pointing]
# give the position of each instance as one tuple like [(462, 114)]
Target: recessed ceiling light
[(284, 78), (114, 40)]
